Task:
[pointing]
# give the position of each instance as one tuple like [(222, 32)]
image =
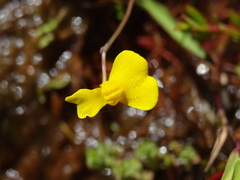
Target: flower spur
[(128, 83)]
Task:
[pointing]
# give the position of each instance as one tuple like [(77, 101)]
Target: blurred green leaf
[(47, 27), (182, 26), (55, 83), (188, 155), (102, 156), (120, 11), (164, 18), (237, 69), (148, 152), (229, 169), (46, 32), (187, 152), (191, 21), (114, 126), (45, 40), (58, 82), (234, 32), (128, 169), (196, 15), (175, 146), (236, 174), (235, 18)]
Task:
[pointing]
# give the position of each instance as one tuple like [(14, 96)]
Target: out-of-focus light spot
[(18, 92), (232, 89), (237, 114), (37, 58), (19, 42), (66, 55), (67, 169), (91, 142), (20, 60), (37, 20), (30, 70), (190, 109), (19, 78), (53, 72), (107, 171), (202, 69), (22, 23), (46, 151), (121, 140), (18, 13), (43, 80), (12, 174), (32, 32), (152, 129), (60, 65), (158, 73), (77, 25), (168, 122), (163, 150), (154, 63), (3, 84), (131, 111), (20, 110), (132, 134), (161, 133), (95, 132)]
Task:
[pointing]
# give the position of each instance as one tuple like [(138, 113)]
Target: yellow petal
[(128, 65), (130, 70), (89, 102), (142, 95)]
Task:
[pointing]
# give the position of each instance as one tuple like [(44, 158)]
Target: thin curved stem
[(106, 46)]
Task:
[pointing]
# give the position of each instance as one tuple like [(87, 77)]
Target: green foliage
[(235, 18), (236, 174), (196, 15), (187, 155), (232, 31), (148, 152), (45, 40), (108, 156), (56, 83), (128, 169), (232, 166), (114, 126), (47, 27), (145, 157), (197, 24), (45, 33), (164, 18), (102, 156), (120, 11), (237, 69)]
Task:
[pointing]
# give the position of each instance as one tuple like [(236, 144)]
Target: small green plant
[(102, 156), (145, 159), (148, 152), (108, 156)]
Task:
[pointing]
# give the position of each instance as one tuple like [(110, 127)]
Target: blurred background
[(49, 49)]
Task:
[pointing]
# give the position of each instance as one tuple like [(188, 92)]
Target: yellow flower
[(128, 83)]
